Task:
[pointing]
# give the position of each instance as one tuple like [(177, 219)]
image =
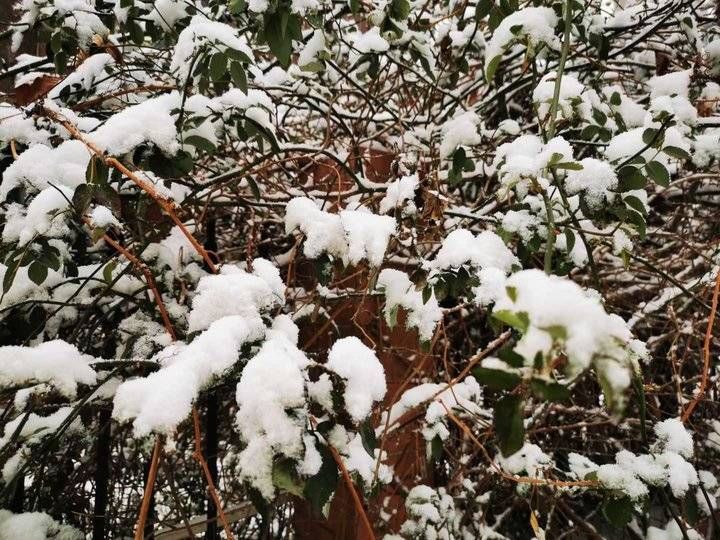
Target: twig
[(706, 353), (147, 495), (211, 485)]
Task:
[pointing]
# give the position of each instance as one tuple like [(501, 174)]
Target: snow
[(44, 216), (400, 194), (665, 466), (537, 26), (150, 121), (671, 531), (16, 125), (555, 302), (530, 460), (363, 373), (521, 222), (271, 415), (371, 41), (367, 235), (40, 165), (676, 83), (461, 247), (400, 291), (102, 216), (160, 401), (460, 131), (236, 292), (673, 437), (314, 46), (34, 526), (571, 95), (323, 231), (596, 180), (351, 235), (174, 251), (166, 13), (36, 427), (55, 362), (199, 32), (85, 75), (357, 460), (522, 161)]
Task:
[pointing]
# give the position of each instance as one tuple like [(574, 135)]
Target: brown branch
[(514, 478), (211, 485), (353, 492), (147, 495), (706, 353), (166, 204)]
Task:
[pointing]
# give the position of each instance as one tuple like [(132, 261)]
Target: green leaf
[(630, 178), (399, 9), (82, 197), (497, 379), (508, 423), (636, 204), (436, 448), (482, 9), (618, 510), (201, 143), (97, 171), (675, 152), (108, 271), (60, 60), (10, 273), (658, 173), (569, 165), (218, 66), (237, 73), (615, 99), (37, 272), (492, 68), (392, 316), (518, 320), (550, 390), (652, 137), (136, 33), (367, 436), (237, 6), (280, 42), (56, 42), (253, 187), (285, 477), (320, 487)]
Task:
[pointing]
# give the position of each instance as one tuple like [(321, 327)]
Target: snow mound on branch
[(363, 373), (203, 31), (236, 292), (400, 292), (55, 362), (160, 401), (400, 193), (536, 24), (351, 235), (39, 166), (596, 179), (461, 247), (34, 526), (460, 131)]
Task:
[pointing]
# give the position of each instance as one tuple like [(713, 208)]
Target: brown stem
[(706, 353), (166, 204), (198, 455), (147, 495)]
